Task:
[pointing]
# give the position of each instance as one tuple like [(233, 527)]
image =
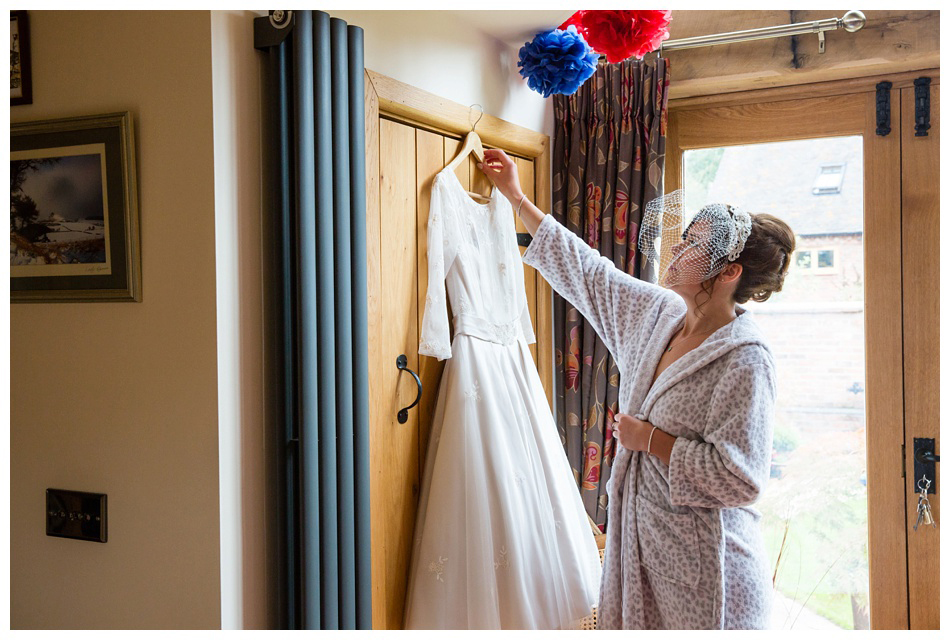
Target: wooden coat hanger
[(471, 144)]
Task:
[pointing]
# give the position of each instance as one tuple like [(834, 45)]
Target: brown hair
[(765, 258)]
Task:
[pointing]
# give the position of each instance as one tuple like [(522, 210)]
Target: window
[(828, 180), (803, 259), (816, 261)]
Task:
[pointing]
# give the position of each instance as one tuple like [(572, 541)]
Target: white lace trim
[(430, 348), (472, 393), (501, 560), (505, 333), (438, 568)]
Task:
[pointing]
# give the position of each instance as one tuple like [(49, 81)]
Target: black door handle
[(925, 462), (401, 363)]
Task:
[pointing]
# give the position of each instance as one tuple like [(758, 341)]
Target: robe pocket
[(669, 543)]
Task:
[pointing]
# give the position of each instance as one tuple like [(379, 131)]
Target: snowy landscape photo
[(58, 212)]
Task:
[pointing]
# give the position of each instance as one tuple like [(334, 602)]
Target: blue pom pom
[(557, 61)]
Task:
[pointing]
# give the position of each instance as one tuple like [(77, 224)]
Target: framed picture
[(21, 80), (74, 221)]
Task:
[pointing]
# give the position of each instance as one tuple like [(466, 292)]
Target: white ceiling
[(514, 27)]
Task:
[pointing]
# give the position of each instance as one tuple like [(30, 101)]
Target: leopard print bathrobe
[(684, 550)]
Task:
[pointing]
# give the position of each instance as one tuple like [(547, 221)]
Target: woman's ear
[(731, 273)]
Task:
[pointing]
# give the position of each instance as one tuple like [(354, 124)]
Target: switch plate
[(76, 514)]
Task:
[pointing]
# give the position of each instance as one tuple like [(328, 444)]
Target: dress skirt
[(501, 540)]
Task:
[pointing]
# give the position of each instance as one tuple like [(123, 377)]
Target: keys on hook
[(924, 514)]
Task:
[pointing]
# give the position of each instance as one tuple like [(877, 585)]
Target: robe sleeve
[(730, 466), (442, 248), (611, 300)]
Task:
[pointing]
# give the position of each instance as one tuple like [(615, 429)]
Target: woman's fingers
[(497, 157)]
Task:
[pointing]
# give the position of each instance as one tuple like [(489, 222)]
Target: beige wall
[(127, 399), (440, 52), (121, 398), (247, 459)]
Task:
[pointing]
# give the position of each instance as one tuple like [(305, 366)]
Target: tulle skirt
[(501, 540)]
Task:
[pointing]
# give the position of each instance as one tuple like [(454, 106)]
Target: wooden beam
[(849, 86), (890, 42), (421, 108)]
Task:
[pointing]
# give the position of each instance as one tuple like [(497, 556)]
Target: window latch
[(921, 106), (883, 108)]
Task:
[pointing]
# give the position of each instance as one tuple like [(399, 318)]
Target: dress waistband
[(469, 325)]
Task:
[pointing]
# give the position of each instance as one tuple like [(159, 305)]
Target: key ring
[(923, 489)]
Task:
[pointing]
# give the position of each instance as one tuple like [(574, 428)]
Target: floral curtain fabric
[(609, 149)]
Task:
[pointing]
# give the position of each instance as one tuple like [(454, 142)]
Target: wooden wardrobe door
[(403, 157), (394, 447)]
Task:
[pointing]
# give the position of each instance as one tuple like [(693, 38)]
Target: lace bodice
[(473, 255)]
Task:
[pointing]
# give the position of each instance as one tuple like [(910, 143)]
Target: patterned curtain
[(609, 148)]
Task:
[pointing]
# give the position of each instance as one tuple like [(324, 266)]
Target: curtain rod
[(852, 21)]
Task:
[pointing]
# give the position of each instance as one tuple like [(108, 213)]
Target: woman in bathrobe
[(697, 393)]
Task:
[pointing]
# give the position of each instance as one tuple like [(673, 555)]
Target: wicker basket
[(590, 622)]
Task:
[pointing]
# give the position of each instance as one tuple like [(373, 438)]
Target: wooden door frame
[(920, 210), (386, 98), (849, 107)]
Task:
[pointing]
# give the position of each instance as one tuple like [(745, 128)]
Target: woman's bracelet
[(521, 202), (650, 441)]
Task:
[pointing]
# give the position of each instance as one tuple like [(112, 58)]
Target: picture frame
[(21, 70), (74, 219)]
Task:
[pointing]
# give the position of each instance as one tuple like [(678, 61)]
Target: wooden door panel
[(920, 237), (394, 449), (430, 159), (526, 178)]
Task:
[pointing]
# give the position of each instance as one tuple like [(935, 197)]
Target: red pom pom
[(622, 34)]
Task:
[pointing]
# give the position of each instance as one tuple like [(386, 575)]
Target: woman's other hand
[(632, 433), (503, 173)]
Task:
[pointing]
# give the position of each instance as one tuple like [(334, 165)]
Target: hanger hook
[(480, 114)]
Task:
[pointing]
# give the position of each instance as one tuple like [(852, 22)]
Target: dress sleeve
[(611, 300), (442, 248), (730, 466)]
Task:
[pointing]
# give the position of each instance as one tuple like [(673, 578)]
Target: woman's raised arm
[(611, 300)]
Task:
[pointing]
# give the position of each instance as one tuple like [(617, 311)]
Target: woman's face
[(691, 257)]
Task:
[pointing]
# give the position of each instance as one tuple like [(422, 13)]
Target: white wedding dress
[(501, 540)]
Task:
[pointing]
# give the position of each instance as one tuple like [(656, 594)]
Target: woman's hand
[(632, 433), (503, 173)]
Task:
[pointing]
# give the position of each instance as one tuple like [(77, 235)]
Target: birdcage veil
[(685, 250)]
